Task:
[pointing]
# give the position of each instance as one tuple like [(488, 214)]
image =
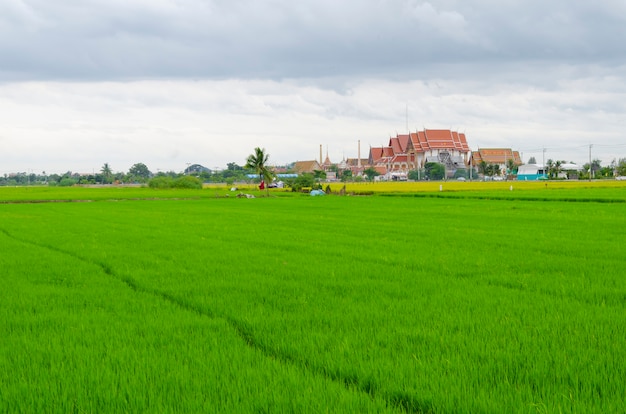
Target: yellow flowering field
[(435, 186)]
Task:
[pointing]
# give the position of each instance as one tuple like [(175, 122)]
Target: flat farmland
[(479, 300)]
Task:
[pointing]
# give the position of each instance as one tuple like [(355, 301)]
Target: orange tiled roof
[(381, 169), (496, 156), (431, 139), (404, 141), (307, 166), (376, 153), (400, 158), (445, 139), (394, 144)]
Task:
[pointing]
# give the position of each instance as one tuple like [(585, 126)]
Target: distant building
[(196, 169), (406, 152), (495, 156), (301, 167), (531, 172)]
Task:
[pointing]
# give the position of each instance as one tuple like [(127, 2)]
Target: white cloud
[(166, 82), (165, 124)]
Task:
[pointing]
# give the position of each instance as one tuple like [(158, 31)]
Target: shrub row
[(166, 182)]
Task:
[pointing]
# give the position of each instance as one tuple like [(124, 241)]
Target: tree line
[(140, 174)]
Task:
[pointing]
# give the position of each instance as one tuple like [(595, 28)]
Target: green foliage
[(605, 172), (67, 182), (415, 175), (139, 172), (434, 170), (304, 180), (107, 174), (189, 182), (183, 182), (461, 172), (257, 162), (493, 170), (231, 166), (482, 167), (621, 167), (370, 173), (511, 166), (319, 175), (161, 182)]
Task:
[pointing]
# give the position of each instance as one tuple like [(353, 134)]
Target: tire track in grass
[(615, 299), (395, 399)]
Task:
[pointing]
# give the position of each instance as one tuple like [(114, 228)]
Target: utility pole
[(407, 117), (543, 162), (590, 167)]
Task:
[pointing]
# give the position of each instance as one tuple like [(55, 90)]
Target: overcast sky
[(171, 82)]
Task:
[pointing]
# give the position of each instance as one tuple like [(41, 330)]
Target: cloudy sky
[(171, 82)]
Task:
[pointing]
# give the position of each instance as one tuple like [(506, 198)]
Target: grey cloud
[(96, 39)]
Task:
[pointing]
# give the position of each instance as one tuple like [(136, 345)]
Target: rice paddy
[(465, 300)]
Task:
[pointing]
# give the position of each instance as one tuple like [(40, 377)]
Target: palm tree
[(557, 168), (482, 168), (511, 166), (550, 167), (258, 163), (106, 173)]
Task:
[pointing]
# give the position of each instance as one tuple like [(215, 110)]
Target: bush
[(303, 181), (161, 182), (187, 181), (67, 182)]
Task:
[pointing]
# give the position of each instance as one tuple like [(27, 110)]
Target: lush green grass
[(307, 304), (601, 190), (96, 193)]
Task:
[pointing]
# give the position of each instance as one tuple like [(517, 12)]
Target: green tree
[(435, 170), (414, 175), (346, 175), (483, 167), (319, 175), (596, 166), (304, 180), (606, 172), (532, 160), (107, 174), (557, 168), (511, 166), (371, 173), (139, 172), (460, 173), (550, 167), (258, 163), (493, 170), (231, 166), (620, 169)]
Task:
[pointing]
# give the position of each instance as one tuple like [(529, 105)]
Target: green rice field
[(469, 300)]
